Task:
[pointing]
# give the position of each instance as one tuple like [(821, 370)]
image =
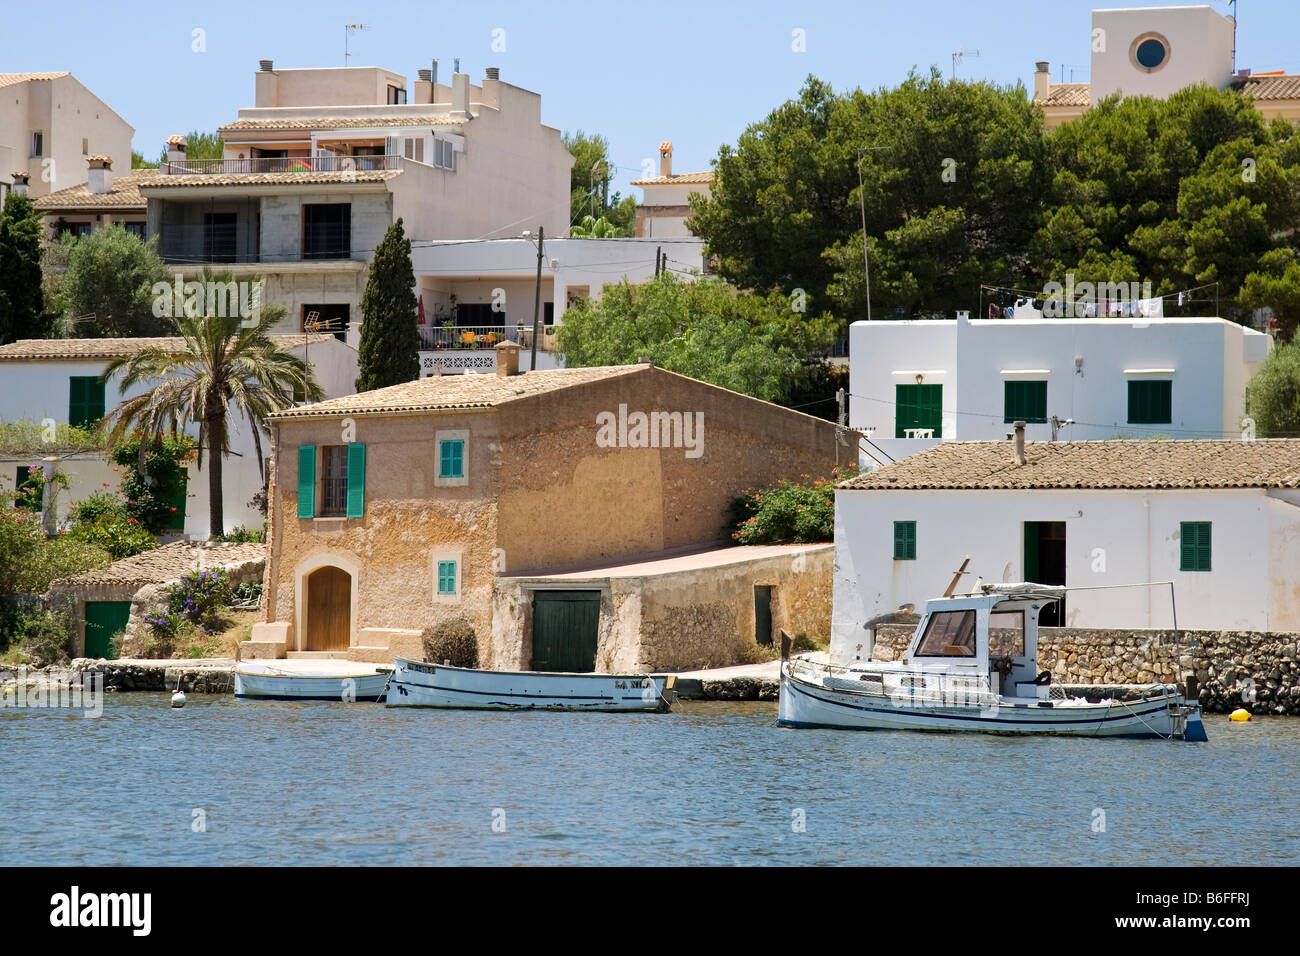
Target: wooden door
[(104, 620), (565, 630), (329, 610)]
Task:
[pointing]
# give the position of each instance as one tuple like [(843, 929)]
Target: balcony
[(289, 165), (467, 338)]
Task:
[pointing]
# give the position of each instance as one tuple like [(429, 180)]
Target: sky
[(696, 73)]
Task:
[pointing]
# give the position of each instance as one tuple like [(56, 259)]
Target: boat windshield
[(949, 634), (1007, 634)]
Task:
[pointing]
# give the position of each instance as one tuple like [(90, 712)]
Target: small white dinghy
[(345, 681), (972, 666), (417, 684)]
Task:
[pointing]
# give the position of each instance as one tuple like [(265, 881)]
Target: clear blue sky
[(695, 72)]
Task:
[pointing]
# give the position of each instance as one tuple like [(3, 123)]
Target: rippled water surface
[(712, 783)]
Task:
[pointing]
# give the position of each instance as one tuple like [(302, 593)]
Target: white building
[(915, 382), (666, 203), (1220, 519), (489, 288), (314, 174), (59, 380), (1156, 51), (50, 125)]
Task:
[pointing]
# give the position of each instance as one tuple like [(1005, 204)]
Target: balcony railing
[(303, 164), (467, 337)]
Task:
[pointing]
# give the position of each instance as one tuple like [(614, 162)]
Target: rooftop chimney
[(494, 72), (266, 85), (1020, 443), (507, 358), (20, 183), (266, 65), (665, 159), (1042, 80), (460, 95), (99, 177), (176, 149), (423, 86)]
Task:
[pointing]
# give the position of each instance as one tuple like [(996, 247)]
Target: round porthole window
[(1149, 52)]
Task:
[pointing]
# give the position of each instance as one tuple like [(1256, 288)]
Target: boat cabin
[(992, 634)]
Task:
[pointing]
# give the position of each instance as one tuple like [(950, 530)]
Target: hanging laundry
[(1152, 308)]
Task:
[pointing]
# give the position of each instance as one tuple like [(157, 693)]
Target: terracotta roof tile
[(339, 122), (9, 79), (124, 192), (306, 177), (26, 350), (1285, 87), (701, 177), (1267, 463), (167, 564), (1068, 94), (439, 392)]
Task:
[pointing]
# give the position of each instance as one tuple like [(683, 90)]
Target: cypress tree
[(389, 351), (22, 303)]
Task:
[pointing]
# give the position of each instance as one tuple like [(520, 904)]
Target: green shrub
[(451, 642), (36, 637), (102, 521), (201, 598), (242, 535), (787, 512)]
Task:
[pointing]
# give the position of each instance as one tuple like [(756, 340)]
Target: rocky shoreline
[(193, 677)]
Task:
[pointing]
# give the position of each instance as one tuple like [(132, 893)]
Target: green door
[(103, 620), (564, 630)]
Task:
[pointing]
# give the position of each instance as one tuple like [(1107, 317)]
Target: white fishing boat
[(307, 679), (972, 665), (417, 684)]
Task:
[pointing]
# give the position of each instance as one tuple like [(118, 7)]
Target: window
[(1007, 634), (904, 540), (949, 634), (1194, 540), (1149, 52), (446, 577), (415, 149), (30, 493), (85, 147), (38, 144), (918, 406), (1150, 402), (444, 154), (326, 230), (1024, 402), (333, 481), (219, 236), (396, 95), (85, 400), (451, 459), (76, 230), (134, 228)]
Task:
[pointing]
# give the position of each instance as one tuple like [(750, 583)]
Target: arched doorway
[(329, 610)]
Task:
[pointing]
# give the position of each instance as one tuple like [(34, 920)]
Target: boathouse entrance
[(565, 630), (329, 610), (1045, 564)]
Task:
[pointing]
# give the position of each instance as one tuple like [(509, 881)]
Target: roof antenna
[(959, 54), (348, 30)]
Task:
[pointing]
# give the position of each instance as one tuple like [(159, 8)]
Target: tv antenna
[(960, 54), (348, 30)]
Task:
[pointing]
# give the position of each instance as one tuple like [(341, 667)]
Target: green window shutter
[(306, 481), (1194, 541), (446, 577), (94, 399), (177, 520), (1150, 403), (85, 400), (356, 480), (918, 406), (1024, 402), (451, 459), (904, 540)]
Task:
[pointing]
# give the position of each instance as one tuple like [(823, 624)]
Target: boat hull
[(417, 684), (346, 688), (807, 704)]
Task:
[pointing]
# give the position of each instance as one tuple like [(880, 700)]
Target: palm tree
[(223, 368)]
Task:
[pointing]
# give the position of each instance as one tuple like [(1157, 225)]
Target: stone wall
[(1252, 669)]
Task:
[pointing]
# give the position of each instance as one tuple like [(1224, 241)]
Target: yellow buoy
[(1239, 714)]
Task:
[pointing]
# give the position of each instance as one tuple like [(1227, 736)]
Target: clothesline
[(1038, 294)]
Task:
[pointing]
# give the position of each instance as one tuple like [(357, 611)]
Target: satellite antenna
[(959, 54), (348, 30)]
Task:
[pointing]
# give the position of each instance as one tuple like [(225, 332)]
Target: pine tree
[(22, 303), (390, 343)]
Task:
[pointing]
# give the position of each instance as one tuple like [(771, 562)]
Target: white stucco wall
[(32, 391), (1112, 537), (1200, 50), (1212, 360)]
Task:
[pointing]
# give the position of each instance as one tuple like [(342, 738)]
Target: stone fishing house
[(573, 516)]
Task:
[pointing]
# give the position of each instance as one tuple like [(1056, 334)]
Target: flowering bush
[(151, 497), (200, 598), (788, 512), (103, 521)]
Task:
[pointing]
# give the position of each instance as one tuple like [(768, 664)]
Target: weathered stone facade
[(1256, 670)]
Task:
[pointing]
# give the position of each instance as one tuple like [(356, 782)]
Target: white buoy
[(178, 698)]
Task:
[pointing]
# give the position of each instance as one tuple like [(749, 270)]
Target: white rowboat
[(417, 684), (345, 681)]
